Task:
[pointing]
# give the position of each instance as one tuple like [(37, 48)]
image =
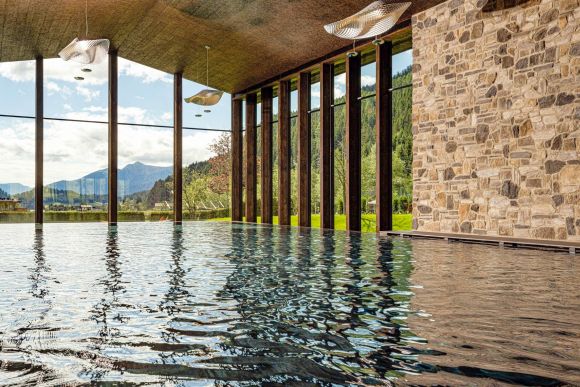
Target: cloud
[(87, 93), (367, 80), (58, 70), (147, 74)]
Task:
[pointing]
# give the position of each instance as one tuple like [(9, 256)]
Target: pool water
[(217, 303)]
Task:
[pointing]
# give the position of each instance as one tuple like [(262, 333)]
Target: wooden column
[(251, 147), (266, 172), (304, 197), (353, 144), (326, 147), (384, 137), (284, 153), (39, 145), (237, 161), (113, 137), (177, 147)]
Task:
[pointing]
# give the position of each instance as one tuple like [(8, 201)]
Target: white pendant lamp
[(86, 51), (206, 97)]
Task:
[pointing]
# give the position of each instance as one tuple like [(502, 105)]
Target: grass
[(401, 222)]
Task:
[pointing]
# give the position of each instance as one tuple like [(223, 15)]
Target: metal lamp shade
[(85, 51), (375, 19), (206, 97)]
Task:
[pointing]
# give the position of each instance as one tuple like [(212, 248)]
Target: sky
[(72, 150)]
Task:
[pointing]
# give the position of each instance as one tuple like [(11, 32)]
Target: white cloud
[(87, 93), (367, 80), (147, 74)]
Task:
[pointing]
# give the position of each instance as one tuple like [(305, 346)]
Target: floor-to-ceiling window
[(368, 142), (294, 152), (339, 144), (145, 166), (402, 139), (17, 134), (206, 157), (314, 116), (75, 141), (275, 180)]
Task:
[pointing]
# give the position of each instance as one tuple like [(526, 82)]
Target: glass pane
[(294, 155), (67, 97), (258, 160), (315, 167), (218, 116), (145, 177), (275, 169), (339, 88), (206, 175), (368, 164), (368, 79), (75, 171), (145, 95), (402, 68), (17, 82), (315, 96), (402, 158), (339, 167), (294, 166), (17, 170)]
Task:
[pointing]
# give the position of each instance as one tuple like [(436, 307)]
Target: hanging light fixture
[(206, 97), (373, 20), (86, 51)]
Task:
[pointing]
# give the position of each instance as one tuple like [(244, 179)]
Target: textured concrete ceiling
[(251, 40)]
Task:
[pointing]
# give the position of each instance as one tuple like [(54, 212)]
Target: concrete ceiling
[(251, 40)]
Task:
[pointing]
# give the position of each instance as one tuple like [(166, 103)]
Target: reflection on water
[(241, 304)]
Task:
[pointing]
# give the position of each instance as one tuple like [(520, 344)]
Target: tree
[(220, 164), (195, 191)]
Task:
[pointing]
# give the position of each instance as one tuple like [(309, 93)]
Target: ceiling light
[(86, 51), (375, 19), (206, 97)]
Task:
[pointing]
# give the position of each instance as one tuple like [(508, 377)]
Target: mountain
[(14, 188)]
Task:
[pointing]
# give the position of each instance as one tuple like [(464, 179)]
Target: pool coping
[(539, 244)]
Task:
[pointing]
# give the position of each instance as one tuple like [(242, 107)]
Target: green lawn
[(400, 221)]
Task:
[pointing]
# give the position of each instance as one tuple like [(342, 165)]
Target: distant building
[(7, 204), (163, 206)]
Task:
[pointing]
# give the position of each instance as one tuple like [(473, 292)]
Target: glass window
[(339, 122), (17, 170), (75, 151), (368, 147), (275, 160), (75, 171), (17, 82), (145, 95), (145, 175), (315, 153), (402, 140), (206, 174), (294, 154)]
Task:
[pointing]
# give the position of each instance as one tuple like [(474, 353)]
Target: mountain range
[(133, 178)]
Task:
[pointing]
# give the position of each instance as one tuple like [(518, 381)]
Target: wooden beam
[(251, 147), (304, 158), (384, 137), (113, 136), (237, 161), (266, 162), (284, 203), (353, 144), (177, 147), (326, 147), (39, 145)]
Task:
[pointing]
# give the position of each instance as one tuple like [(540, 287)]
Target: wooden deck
[(540, 244)]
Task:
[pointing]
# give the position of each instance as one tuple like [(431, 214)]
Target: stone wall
[(496, 119)]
